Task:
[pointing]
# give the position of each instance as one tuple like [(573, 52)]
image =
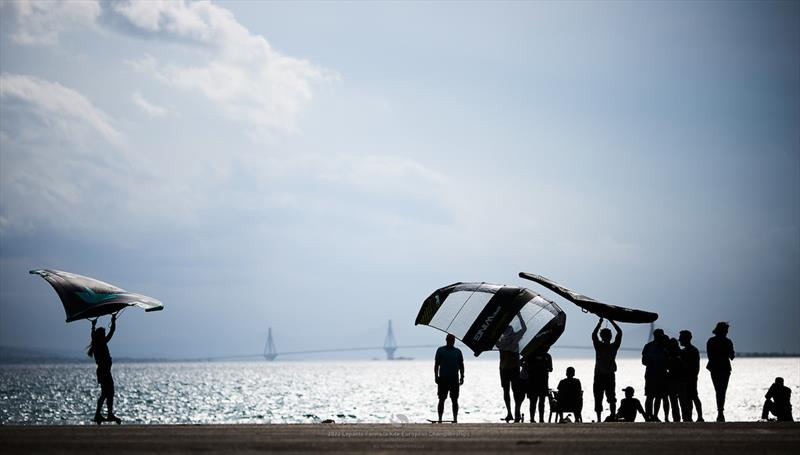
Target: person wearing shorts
[(448, 370)]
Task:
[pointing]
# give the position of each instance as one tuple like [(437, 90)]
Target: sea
[(377, 391)]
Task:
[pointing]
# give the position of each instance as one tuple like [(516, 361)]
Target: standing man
[(508, 345), (605, 367), (654, 358), (720, 353), (538, 367), (448, 371), (691, 361)]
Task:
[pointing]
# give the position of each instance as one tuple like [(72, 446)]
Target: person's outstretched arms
[(112, 328), (618, 337), (596, 329)]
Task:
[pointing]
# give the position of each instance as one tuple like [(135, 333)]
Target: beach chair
[(559, 409)]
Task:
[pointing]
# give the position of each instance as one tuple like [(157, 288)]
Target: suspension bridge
[(390, 347)]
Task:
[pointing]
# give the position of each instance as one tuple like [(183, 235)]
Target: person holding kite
[(87, 298), (102, 357)]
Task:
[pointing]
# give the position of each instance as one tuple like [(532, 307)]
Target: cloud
[(148, 107), (55, 103), (40, 22), (239, 71)]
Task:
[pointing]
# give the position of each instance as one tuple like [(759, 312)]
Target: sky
[(322, 167)]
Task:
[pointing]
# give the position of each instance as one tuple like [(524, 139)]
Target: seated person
[(778, 402), (629, 407), (570, 394)]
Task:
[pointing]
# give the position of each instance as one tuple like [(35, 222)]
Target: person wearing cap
[(605, 367), (691, 361), (448, 371), (778, 402), (719, 350), (654, 358), (629, 407)]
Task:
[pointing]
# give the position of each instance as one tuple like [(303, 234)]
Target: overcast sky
[(321, 168)]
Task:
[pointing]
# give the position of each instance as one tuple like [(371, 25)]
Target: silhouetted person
[(629, 407), (779, 402), (570, 394), (605, 367), (448, 371), (654, 358), (719, 350), (536, 369), (688, 391), (675, 378), (102, 357), (508, 344)]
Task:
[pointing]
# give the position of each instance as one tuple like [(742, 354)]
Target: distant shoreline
[(56, 360)]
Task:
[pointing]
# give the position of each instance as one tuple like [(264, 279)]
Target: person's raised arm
[(522, 323), (596, 329), (112, 328), (618, 337)]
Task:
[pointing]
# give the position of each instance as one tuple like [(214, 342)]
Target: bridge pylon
[(269, 347), (389, 343)]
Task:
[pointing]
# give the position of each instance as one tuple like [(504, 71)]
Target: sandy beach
[(707, 438)]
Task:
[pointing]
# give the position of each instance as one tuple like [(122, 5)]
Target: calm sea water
[(307, 392)]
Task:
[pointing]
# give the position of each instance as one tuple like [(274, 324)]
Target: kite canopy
[(604, 310), (86, 298), (488, 316)]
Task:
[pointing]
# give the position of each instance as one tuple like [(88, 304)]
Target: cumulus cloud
[(149, 108), (240, 71), (56, 103), (39, 22)]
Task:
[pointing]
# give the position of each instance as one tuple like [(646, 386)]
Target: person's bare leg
[(541, 410), (666, 408), (507, 400), (699, 406), (440, 408), (97, 415), (656, 407), (455, 409)]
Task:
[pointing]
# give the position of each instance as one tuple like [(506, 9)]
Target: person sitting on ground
[(629, 407), (447, 368), (570, 394), (778, 402)]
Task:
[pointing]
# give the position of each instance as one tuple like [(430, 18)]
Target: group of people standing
[(672, 367)]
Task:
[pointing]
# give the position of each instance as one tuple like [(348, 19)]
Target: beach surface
[(650, 438)]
